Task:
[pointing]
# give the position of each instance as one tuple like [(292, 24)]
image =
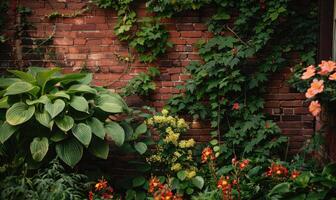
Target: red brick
[(184, 27), (191, 34), (83, 27), (63, 41), (95, 19), (79, 41)]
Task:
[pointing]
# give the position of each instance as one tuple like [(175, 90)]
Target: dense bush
[(45, 112)]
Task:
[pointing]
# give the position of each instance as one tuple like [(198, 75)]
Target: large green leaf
[(79, 103), (115, 132), (5, 82), (83, 133), (4, 102), (99, 148), (59, 94), (140, 147), (70, 151), (82, 89), (6, 131), (198, 181), (55, 108), (65, 123), (281, 188), (138, 181), (109, 104), (23, 75), (43, 100), (58, 136), (19, 88), (44, 119), (97, 127), (19, 113), (39, 148), (43, 77)]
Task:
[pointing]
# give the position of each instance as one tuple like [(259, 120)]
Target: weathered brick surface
[(88, 42)]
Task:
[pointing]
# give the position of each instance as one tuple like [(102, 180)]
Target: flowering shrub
[(172, 155), (102, 191), (161, 191), (318, 83)]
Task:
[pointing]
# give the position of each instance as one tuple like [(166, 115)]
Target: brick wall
[(88, 42)]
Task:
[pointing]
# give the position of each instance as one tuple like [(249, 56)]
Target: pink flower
[(310, 72), (315, 87), (315, 108), (327, 67)]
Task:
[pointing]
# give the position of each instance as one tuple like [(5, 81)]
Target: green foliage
[(319, 185), (46, 112), (53, 183), (168, 8), (143, 84), (147, 36)]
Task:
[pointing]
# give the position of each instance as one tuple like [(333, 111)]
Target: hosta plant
[(46, 112)]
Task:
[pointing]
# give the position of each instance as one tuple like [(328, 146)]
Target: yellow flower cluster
[(191, 173), (165, 120), (154, 158), (171, 136), (187, 143), (176, 167)]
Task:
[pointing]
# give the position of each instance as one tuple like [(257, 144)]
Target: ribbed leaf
[(43, 100), (39, 148), (4, 102), (6, 131), (81, 88), (99, 148), (109, 103), (6, 82), (79, 103), (19, 113), (115, 132), (59, 94), (19, 88), (23, 75), (55, 108), (97, 127), (44, 76), (44, 119), (58, 136), (70, 151), (65, 123), (140, 147), (83, 133)]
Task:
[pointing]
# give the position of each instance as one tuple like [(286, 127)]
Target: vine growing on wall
[(253, 39)]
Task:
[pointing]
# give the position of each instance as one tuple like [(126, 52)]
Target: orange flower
[(277, 170), (295, 174), (327, 67), (310, 72), (101, 184), (315, 87), (207, 154), (244, 164), (315, 108), (235, 106), (153, 184), (332, 77)]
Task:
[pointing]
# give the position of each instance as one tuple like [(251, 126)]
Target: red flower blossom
[(277, 170), (101, 184), (295, 174), (106, 196), (154, 183), (243, 164), (90, 195), (207, 154), (235, 106)]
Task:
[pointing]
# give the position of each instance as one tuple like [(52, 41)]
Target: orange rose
[(315, 87), (332, 77), (310, 72), (315, 108), (326, 67)]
